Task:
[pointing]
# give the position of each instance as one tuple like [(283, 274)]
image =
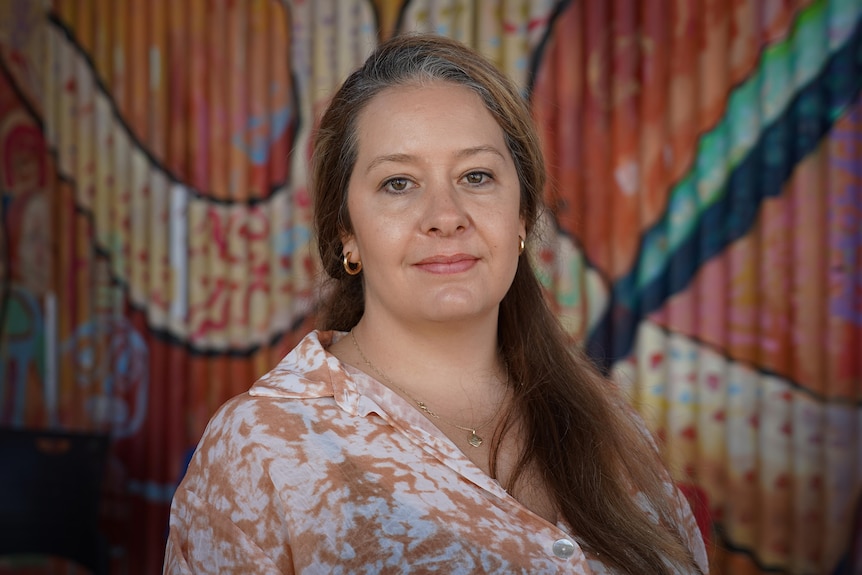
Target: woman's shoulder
[(281, 412), (246, 423)]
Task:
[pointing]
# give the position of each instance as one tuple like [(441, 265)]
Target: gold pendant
[(475, 440)]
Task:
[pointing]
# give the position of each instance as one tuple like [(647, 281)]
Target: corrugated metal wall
[(704, 238)]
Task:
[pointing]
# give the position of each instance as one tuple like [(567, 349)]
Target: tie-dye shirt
[(319, 468)]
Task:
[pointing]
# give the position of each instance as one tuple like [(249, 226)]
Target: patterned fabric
[(321, 469)]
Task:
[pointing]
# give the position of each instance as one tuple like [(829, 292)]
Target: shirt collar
[(309, 371)]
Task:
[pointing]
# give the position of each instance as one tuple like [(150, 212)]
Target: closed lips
[(447, 264)]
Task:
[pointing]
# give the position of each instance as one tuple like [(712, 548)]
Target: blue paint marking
[(261, 132), (761, 174)]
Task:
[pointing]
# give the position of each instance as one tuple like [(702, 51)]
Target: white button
[(563, 548)]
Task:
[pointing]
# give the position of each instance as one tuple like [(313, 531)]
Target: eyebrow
[(407, 158)]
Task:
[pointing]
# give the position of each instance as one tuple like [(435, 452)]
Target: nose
[(445, 212)]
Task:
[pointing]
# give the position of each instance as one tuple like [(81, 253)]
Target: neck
[(443, 347), (453, 370)]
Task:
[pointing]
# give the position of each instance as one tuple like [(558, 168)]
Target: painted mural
[(703, 238)]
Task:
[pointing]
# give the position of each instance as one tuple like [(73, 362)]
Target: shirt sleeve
[(691, 531), (225, 517), (203, 540)]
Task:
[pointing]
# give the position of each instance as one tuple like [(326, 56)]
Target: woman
[(439, 422)]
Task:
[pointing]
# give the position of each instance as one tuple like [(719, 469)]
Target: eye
[(477, 178), (396, 185)]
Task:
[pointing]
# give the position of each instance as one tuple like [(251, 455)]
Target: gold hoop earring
[(351, 268), (521, 245)]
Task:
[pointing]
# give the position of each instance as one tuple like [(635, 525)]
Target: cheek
[(378, 237)]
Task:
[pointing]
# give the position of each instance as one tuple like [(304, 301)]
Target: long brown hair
[(580, 435)]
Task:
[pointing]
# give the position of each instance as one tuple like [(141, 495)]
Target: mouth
[(447, 264)]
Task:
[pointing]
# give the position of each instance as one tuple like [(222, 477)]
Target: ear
[(348, 243), (522, 227)]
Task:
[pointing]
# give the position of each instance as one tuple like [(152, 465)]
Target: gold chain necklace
[(475, 440)]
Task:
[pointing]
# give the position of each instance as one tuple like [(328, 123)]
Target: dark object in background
[(50, 491)]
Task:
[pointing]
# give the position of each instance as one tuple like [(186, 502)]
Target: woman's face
[(434, 200)]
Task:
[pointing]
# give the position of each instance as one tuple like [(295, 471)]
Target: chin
[(460, 312)]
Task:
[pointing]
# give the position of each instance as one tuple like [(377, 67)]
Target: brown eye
[(397, 184), (476, 178)]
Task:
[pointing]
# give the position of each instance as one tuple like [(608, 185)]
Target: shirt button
[(563, 548)]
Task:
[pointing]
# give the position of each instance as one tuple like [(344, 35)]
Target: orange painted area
[(777, 295), (621, 100), (170, 69)]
